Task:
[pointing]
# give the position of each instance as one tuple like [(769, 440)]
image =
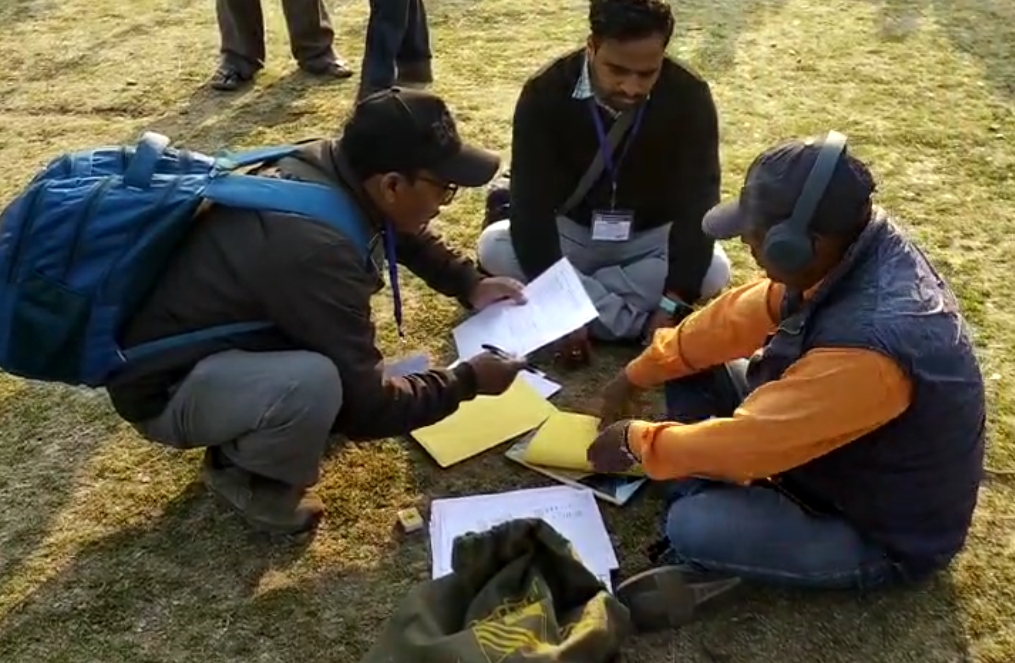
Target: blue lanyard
[(391, 257), (604, 145)]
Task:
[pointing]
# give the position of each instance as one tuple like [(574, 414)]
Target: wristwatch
[(674, 308)]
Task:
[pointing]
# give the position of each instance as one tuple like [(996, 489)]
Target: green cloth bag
[(517, 593)]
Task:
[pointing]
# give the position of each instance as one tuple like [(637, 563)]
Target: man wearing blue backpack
[(252, 335)]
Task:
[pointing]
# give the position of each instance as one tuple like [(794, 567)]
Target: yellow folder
[(483, 423), (563, 442)]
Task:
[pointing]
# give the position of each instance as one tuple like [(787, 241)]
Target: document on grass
[(563, 442), (483, 423), (557, 305), (573, 512)]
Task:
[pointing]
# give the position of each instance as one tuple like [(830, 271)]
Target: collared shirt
[(583, 88)]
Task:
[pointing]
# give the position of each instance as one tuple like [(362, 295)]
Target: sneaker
[(666, 597), (268, 506)]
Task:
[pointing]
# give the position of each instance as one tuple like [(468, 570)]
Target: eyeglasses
[(450, 190)]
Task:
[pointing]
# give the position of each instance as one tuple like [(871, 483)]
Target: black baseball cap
[(774, 182), (398, 130)]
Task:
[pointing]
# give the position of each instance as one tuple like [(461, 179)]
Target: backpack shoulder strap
[(272, 194), (253, 157)]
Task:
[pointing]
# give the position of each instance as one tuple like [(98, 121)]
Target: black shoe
[(229, 79), (336, 69), (666, 597)]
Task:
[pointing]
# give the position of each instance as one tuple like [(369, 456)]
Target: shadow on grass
[(209, 120), (719, 25), (16, 11), (70, 63), (984, 29), (176, 588), (49, 434), (192, 583), (762, 626)]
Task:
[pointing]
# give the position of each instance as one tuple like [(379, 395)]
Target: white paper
[(543, 385), (557, 305), (538, 380), (573, 512)]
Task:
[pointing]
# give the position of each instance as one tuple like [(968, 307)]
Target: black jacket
[(670, 173), (309, 280)]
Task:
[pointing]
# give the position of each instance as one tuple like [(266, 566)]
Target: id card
[(612, 225)]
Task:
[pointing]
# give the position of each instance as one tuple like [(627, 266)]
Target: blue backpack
[(85, 241)]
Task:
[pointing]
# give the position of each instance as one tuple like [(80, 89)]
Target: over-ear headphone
[(788, 244)]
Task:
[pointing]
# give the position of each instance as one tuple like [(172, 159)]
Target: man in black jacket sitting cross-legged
[(632, 228)]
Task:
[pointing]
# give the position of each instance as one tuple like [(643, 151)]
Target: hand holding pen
[(495, 370)]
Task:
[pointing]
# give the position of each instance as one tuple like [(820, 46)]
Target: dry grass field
[(110, 550)]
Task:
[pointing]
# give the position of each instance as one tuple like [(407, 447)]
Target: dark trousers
[(241, 26), (397, 33)]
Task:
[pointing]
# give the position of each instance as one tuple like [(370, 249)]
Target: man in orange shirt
[(847, 452)]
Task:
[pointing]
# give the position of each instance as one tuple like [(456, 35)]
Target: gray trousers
[(270, 413), (241, 27), (625, 280)]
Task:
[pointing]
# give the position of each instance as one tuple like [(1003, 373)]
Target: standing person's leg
[(386, 29), (414, 56), (241, 29), (311, 38), (266, 418)]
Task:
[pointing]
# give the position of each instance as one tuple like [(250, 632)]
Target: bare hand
[(658, 320), (496, 289), (620, 400), (609, 451), (574, 350), (494, 374)]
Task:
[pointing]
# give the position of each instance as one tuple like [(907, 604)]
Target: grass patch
[(111, 551)]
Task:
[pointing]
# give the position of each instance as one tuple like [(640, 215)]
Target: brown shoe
[(267, 505)]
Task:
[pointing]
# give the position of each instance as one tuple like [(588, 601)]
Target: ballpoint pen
[(493, 349)]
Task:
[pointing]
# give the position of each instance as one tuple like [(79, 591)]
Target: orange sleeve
[(828, 398), (732, 326)]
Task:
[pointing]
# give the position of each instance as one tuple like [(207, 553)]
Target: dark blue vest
[(910, 485)]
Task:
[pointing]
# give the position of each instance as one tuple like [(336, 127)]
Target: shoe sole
[(662, 598)]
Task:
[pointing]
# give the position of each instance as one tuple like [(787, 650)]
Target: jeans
[(757, 532), (397, 33)]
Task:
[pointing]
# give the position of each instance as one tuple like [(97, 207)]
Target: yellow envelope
[(563, 442), (483, 423)]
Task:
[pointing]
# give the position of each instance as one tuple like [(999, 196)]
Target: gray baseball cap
[(774, 182)]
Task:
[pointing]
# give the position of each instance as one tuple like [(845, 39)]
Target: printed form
[(573, 512), (557, 305)]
